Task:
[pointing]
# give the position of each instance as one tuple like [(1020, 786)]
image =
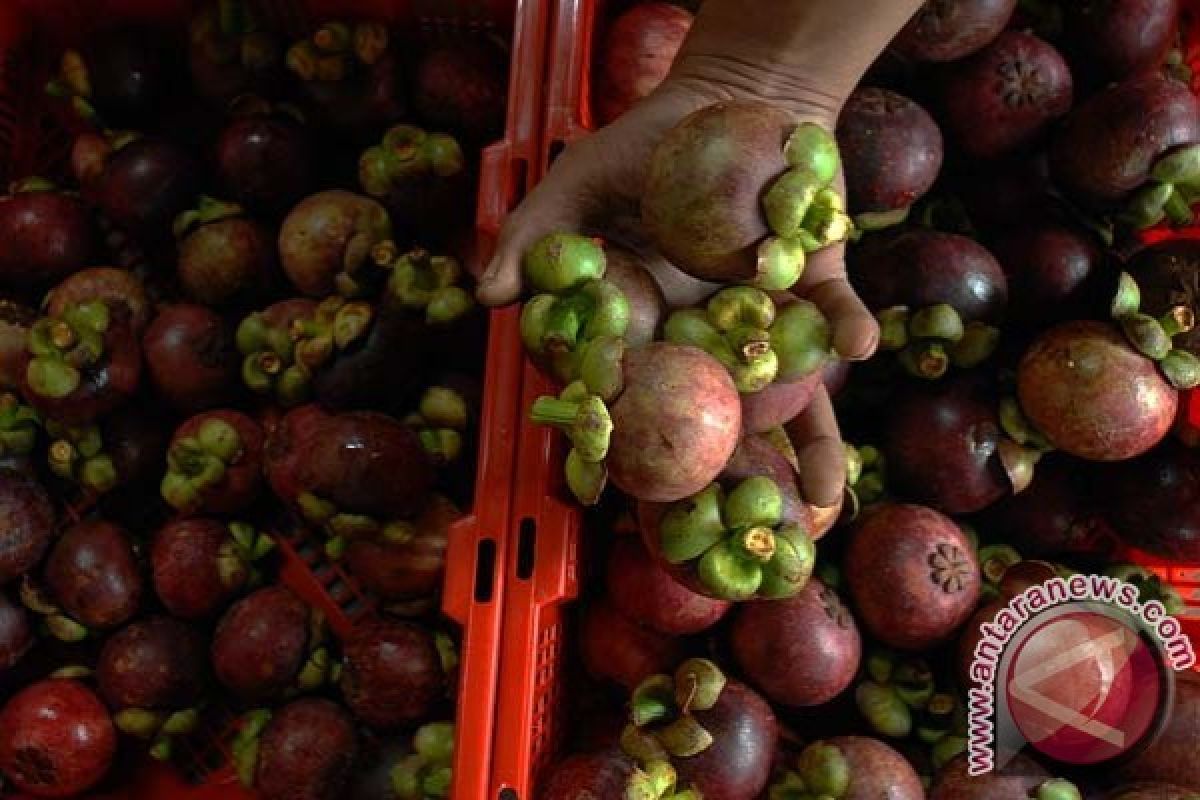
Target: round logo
[(1085, 687)]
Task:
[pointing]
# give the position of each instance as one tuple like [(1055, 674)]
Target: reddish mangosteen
[(81, 364), (892, 151), (801, 651), (462, 87), (264, 158), (1057, 270), (939, 297), (771, 455), (1170, 758), (615, 647), (661, 447), (47, 234), (16, 634), (56, 739), (912, 573), (229, 55), (146, 184), (720, 735), (124, 449), (636, 55), (15, 321), (1085, 387), (1111, 40), (1011, 581), (191, 357), (1115, 142), (214, 463), (199, 564), (329, 233), (411, 565), (944, 445), (737, 192), (1168, 275), (351, 74), (991, 117), (94, 579), (1153, 501), (306, 749), (1059, 514), (602, 774), (224, 257), (627, 271), (393, 674), (642, 590), (264, 339), (354, 474), (1020, 778), (851, 768), (947, 30), (120, 290), (269, 643), (30, 524)]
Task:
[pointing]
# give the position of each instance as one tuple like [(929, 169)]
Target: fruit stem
[(587, 423)]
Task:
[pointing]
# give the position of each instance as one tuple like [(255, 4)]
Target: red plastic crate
[(32, 32), (543, 570)]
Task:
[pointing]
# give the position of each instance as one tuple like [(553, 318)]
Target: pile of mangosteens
[(1017, 180), (238, 317)]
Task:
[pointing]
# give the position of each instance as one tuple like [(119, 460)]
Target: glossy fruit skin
[(191, 357), (940, 441), (991, 117), (617, 648), (16, 634), (801, 651), (155, 663), (1057, 271), (1108, 144), (636, 55), (306, 752), (950, 30), (700, 204), (1085, 387), (260, 644), (656, 422), (891, 150), (145, 185), (647, 307), (410, 570), (392, 675), (596, 775), (737, 766), (1111, 40), (229, 262), (93, 575), (1168, 275), (1153, 501), (642, 590), (56, 739), (186, 572), (47, 236), (912, 574), (1022, 775), (461, 88), (877, 770), (919, 267), (265, 161), (29, 518)]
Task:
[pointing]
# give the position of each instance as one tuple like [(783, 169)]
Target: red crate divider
[(31, 34)]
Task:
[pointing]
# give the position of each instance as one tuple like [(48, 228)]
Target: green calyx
[(238, 553), (336, 325), (19, 426), (586, 422), (662, 712), (157, 727), (560, 328), (994, 561), (408, 152), (268, 361), (821, 771), (244, 746), (739, 544), (199, 462), (342, 527), (421, 281), (78, 455), (1174, 185), (865, 478), (63, 347), (1150, 587), (208, 210), (1056, 789), (336, 49), (440, 422), (813, 149), (560, 262), (1153, 337), (426, 773), (931, 339), (656, 780), (895, 691), (62, 627), (73, 84)]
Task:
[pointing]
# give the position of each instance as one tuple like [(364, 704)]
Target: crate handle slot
[(526, 548), (485, 570)]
